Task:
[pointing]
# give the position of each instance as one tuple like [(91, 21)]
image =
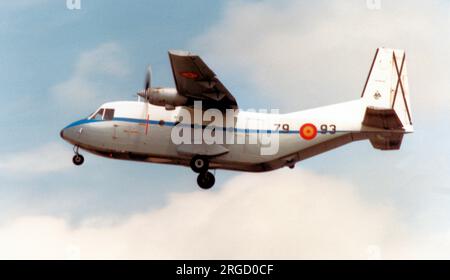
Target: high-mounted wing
[(195, 80)]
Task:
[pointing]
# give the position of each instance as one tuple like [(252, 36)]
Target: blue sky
[(58, 65)]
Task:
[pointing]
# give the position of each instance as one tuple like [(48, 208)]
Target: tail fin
[(386, 92)]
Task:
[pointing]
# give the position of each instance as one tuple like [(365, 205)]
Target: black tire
[(78, 160), (199, 164), (206, 180)]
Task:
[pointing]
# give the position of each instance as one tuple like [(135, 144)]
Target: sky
[(58, 65)]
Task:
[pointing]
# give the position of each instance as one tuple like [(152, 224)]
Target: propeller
[(147, 83), (148, 78), (144, 94)]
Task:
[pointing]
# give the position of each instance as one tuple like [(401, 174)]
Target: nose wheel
[(77, 158)]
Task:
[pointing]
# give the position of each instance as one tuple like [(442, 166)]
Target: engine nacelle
[(167, 97)]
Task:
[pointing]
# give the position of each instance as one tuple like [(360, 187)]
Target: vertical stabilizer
[(386, 91)]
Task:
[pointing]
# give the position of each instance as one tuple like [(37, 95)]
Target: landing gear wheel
[(78, 159), (199, 164), (206, 180)]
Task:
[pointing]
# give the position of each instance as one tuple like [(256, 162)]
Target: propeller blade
[(148, 78)]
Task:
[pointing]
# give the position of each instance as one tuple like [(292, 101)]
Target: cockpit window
[(109, 114), (98, 116), (103, 114)]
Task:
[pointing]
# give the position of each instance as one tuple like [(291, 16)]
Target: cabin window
[(109, 114), (98, 116)]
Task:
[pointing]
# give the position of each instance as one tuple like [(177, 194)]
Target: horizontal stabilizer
[(382, 118), (387, 142)]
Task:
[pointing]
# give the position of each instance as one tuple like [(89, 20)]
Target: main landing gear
[(77, 158), (205, 179)]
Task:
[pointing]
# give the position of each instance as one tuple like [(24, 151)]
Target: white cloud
[(284, 214), (51, 157), (304, 54), (86, 85)]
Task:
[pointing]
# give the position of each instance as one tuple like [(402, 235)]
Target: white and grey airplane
[(143, 130)]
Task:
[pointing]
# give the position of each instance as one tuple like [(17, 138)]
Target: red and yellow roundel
[(189, 75), (308, 131)]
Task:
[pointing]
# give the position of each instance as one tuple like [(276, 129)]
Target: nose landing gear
[(205, 179), (77, 158)]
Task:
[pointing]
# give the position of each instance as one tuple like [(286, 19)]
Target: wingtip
[(181, 53)]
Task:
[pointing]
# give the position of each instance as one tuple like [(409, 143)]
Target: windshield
[(98, 115), (103, 114)]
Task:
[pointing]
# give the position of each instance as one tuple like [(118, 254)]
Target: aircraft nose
[(61, 133)]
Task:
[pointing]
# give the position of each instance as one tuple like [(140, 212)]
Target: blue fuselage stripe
[(171, 124)]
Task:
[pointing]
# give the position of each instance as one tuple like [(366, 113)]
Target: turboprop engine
[(159, 96)]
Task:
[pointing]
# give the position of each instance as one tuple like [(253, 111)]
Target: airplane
[(142, 130)]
